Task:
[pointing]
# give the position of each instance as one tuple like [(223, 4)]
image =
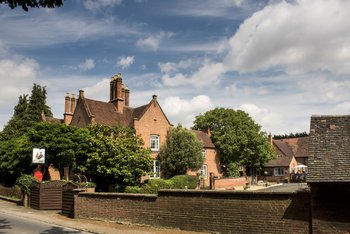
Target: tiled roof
[(280, 161), (283, 148), (107, 114), (329, 149), (104, 113), (299, 146), (204, 138), (284, 155), (139, 111)]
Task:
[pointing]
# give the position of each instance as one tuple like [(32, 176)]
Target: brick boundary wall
[(230, 182), (196, 210)]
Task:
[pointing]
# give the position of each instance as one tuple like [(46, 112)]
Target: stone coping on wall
[(192, 192)]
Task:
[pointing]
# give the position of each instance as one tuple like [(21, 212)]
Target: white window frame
[(279, 171), (156, 169), (204, 153), (154, 142), (204, 171)]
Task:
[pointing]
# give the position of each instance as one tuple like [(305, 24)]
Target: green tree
[(181, 152), (25, 4), (37, 105), (237, 137), (63, 144), (115, 155), (15, 159)]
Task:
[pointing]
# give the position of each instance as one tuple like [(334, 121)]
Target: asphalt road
[(10, 223)]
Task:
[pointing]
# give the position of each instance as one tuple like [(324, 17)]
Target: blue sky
[(280, 61)]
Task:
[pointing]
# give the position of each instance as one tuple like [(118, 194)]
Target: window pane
[(204, 171), (154, 142)]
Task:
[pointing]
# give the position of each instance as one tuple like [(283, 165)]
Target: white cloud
[(17, 75), (125, 62), (264, 117), (97, 4), (321, 89), (87, 65), (153, 42), (184, 110), (206, 75), (209, 8), (297, 36), (51, 28), (170, 67)]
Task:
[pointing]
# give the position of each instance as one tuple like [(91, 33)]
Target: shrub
[(133, 189), (156, 184), (24, 182), (185, 181)]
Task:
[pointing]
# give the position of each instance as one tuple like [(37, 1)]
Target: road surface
[(16, 224)]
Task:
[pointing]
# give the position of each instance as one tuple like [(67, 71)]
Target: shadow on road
[(58, 230), (4, 224)]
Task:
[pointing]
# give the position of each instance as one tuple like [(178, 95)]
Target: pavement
[(87, 225)]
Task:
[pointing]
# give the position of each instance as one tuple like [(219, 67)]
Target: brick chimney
[(116, 92), (68, 115), (127, 96), (270, 138), (73, 103)]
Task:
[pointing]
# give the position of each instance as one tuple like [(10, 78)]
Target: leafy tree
[(237, 137), (15, 158), (115, 155), (62, 143), (25, 4), (181, 152), (37, 104)]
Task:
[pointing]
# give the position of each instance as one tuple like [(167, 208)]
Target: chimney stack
[(73, 103), (270, 138), (69, 107), (127, 96), (67, 104), (116, 92)]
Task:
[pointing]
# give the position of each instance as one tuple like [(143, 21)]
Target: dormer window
[(154, 143)]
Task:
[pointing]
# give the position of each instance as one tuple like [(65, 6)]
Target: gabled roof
[(106, 113), (204, 138), (299, 146), (284, 154), (283, 148), (329, 149)]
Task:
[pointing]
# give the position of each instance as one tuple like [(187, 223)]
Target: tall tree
[(37, 104), (25, 4), (181, 152), (237, 137)]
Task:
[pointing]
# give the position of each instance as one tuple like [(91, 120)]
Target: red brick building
[(149, 122)]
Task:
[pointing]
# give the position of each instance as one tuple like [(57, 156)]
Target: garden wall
[(10, 192), (196, 210), (230, 182)]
